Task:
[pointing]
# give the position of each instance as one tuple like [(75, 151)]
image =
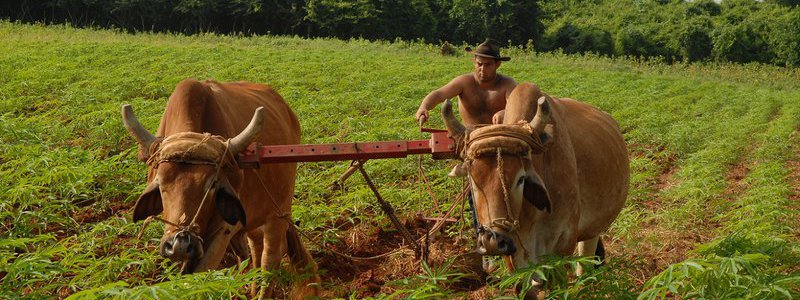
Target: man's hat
[(489, 49)]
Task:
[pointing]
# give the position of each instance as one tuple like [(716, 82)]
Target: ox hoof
[(536, 291), (489, 265)]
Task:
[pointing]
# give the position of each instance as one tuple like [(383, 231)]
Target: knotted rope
[(515, 139), (196, 149), (512, 139)]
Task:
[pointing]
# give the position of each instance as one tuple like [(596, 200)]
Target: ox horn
[(454, 127), (135, 128), (542, 121), (542, 117), (241, 141)]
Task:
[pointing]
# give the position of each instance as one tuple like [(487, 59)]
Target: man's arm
[(449, 90)]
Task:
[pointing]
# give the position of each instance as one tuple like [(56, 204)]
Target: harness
[(510, 139), (194, 149)]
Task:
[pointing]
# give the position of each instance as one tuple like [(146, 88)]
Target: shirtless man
[(482, 98), (481, 94)]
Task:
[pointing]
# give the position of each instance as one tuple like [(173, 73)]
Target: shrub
[(341, 18), (514, 21), (703, 7), (786, 40), (739, 43), (636, 41), (694, 39), (573, 39)]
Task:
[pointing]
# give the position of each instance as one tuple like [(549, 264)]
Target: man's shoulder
[(507, 81), (466, 78)]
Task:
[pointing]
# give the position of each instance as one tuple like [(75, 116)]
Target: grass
[(69, 174)]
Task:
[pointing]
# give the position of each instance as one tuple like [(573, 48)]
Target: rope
[(216, 176), (511, 138), (503, 182), (192, 227), (510, 224)]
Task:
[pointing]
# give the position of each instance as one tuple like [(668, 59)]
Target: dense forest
[(673, 30)]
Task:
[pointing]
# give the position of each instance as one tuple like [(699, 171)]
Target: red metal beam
[(439, 145)]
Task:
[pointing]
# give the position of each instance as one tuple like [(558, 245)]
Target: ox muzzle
[(492, 242), (183, 246)]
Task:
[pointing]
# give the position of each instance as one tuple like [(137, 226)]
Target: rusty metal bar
[(338, 183), (439, 145), (387, 208)]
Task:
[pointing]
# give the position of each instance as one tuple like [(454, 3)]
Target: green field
[(712, 213)]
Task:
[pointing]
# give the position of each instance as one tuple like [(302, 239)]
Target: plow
[(439, 146)]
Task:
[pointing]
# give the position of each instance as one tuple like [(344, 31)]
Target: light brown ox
[(236, 203), (566, 180)]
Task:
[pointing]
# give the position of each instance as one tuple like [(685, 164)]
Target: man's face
[(485, 68)]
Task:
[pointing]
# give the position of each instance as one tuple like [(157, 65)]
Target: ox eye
[(521, 180)]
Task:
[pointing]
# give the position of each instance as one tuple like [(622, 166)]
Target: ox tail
[(308, 284), (600, 252)]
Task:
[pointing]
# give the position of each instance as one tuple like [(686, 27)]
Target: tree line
[(672, 30)]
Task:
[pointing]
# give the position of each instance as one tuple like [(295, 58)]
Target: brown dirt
[(655, 246), (794, 179), (343, 277), (93, 215)]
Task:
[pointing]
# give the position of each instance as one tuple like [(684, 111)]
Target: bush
[(512, 20), (636, 41), (786, 41), (372, 19), (703, 7), (740, 43), (341, 18), (694, 40), (573, 39)]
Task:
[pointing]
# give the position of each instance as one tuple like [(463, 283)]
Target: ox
[(206, 200), (551, 177)]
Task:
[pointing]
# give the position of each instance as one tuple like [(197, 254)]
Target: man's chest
[(477, 98)]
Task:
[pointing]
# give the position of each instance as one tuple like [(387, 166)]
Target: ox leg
[(586, 248), (274, 250), (303, 265), (255, 240)]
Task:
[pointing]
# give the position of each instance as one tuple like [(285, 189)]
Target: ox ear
[(149, 203), (229, 206), (535, 192), (547, 135)]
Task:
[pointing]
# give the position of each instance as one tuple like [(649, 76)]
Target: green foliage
[(694, 39), (715, 277), (574, 39), (553, 272), (703, 7), (731, 31), (432, 284), (405, 19), (638, 41), (226, 284), (345, 18)]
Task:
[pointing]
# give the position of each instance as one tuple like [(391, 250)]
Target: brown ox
[(556, 182), (205, 198)]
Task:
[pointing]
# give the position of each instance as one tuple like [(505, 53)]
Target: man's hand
[(422, 116), (497, 118)]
